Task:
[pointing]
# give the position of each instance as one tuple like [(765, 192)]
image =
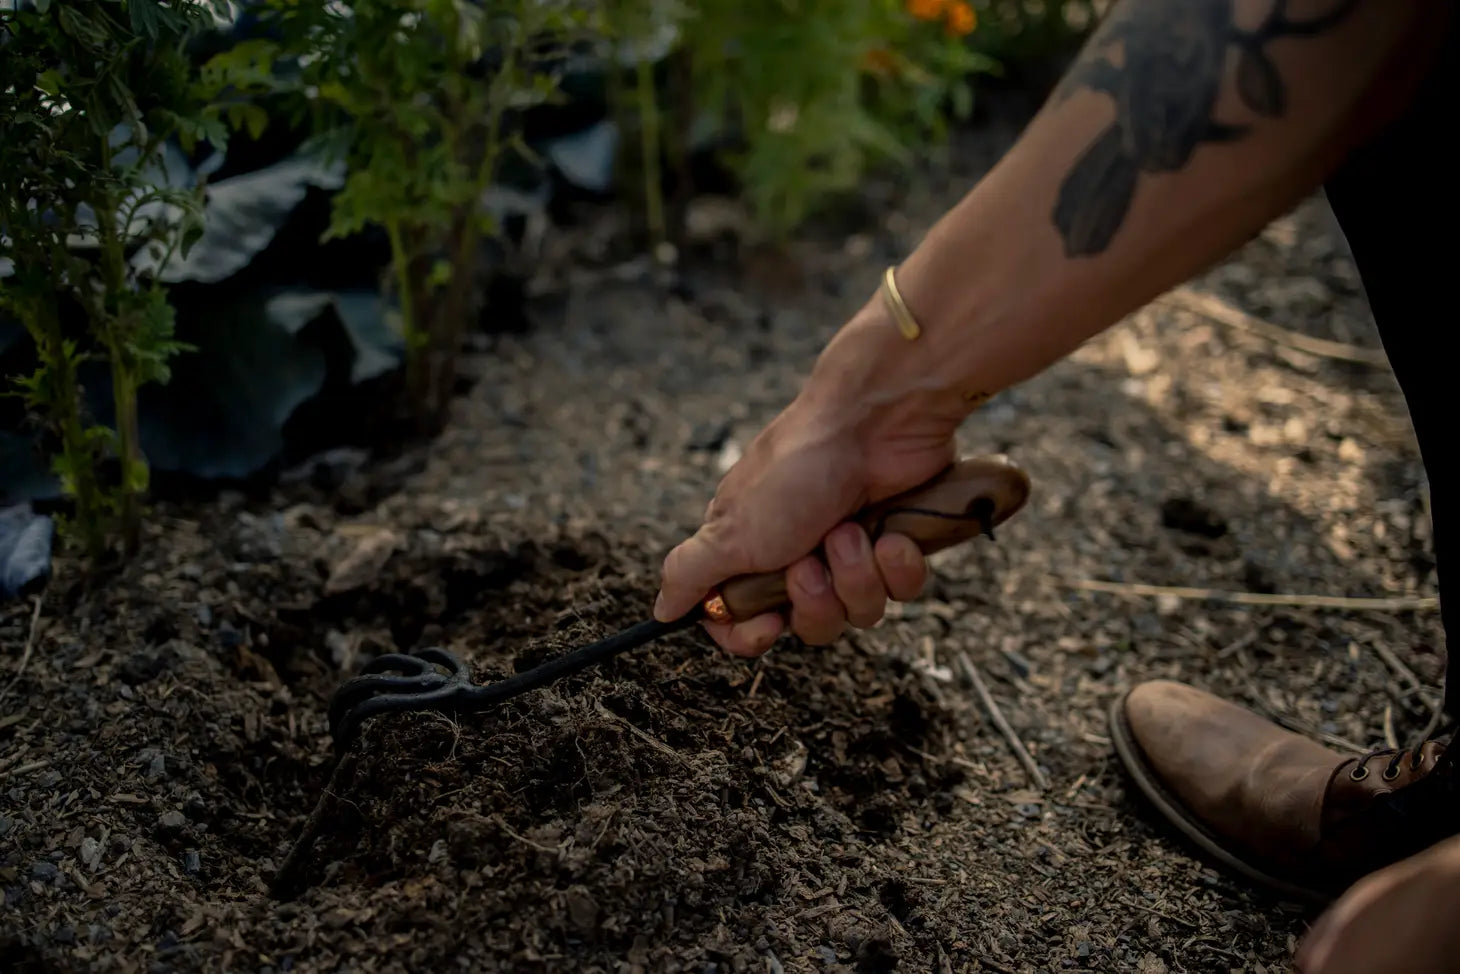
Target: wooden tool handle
[(969, 498)]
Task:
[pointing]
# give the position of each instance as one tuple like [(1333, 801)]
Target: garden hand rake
[(969, 498)]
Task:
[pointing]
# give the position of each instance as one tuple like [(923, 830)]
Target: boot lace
[(1416, 755)]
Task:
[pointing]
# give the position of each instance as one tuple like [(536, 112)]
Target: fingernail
[(844, 547), (815, 580), (659, 607), (900, 556)]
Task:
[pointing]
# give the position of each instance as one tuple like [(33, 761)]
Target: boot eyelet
[(1391, 773), (1359, 773)]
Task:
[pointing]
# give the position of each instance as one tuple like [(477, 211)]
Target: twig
[(283, 883), (1238, 644), (1397, 665), (1390, 738), (638, 732), (502, 824), (1213, 308), (1021, 752), (1396, 604), (35, 620), (1157, 913), (1303, 727), (26, 768), (1436, 719)]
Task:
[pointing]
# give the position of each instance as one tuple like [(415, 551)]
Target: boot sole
[(1178, 815)]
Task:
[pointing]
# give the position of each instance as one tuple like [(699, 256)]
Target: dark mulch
[(830, 809)]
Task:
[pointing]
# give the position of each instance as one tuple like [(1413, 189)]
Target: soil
[(836, 809)]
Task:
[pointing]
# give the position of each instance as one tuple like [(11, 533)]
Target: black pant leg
[(1396, 200)]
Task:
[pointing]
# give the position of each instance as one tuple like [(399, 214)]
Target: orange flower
[(879, 61), (961, 18), (926, 9)]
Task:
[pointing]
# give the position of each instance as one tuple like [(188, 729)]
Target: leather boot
[(1274, 806)]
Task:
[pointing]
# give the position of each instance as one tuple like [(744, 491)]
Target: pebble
[(173, 821), (45, 872), (64, 934), (192, 863), (90, 852), (5, 825)]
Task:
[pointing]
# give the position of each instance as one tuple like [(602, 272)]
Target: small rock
[(64, 934), (5, 826), (728, 456), (438, 853), (711, 436), (190, 570), (192, 862), (361, 565), (98, 933), (582, 910), (157, 767), (90, 852), (204, 615), (1082, 949), (45, 872), (173, 821)]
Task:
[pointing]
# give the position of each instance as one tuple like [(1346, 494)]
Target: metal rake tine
[(449, 660), (441, 699), (418, 678)]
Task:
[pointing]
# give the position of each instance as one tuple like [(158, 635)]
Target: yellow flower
[(961, 19), (926, 9)]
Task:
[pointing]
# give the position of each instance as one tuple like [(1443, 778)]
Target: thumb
[(691, 570)]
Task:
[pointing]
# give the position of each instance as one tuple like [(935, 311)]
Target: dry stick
[(1213, 308), (35, 619), (1397, 604), (294, 861), (997, 716), (1397, 665), (30, 641)]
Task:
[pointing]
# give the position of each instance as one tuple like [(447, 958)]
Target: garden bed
[(838, 809)]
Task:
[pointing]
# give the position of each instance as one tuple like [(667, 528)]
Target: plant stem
[(649, 143), (64, 407), (417, 346), (115, 331)]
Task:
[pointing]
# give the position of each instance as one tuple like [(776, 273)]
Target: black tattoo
[(1162, 63)]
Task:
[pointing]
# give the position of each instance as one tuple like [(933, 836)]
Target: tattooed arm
[(1182, 129)]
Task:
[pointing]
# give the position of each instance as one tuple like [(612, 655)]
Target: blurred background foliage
[(235, 234)]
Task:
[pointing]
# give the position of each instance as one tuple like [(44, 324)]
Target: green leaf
[(440, 274), (255, 119), (192, 233), (50, 82)]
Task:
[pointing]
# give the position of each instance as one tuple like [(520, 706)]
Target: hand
[(835, 449), (1399, 920)]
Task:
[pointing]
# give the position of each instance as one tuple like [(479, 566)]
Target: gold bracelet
[(906, 323)]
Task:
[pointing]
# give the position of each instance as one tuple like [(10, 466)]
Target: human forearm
[(1184, 127)]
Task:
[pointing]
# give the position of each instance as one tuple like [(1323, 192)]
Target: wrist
[(882, 382), (871, 390)]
